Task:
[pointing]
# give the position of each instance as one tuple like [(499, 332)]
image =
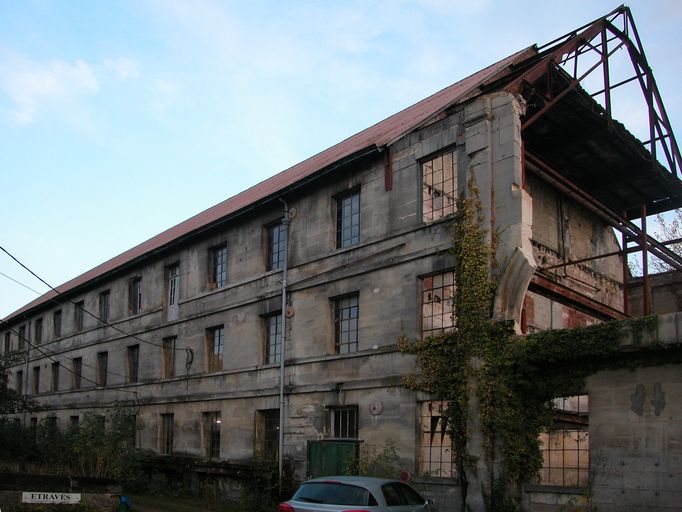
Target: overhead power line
[(65, 300), (49, 356)]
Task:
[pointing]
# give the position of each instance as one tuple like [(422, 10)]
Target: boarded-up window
[(215, 339), (267, 434), (439, 186), (55, 377), (133, 355), (168, 353), (212, 426)]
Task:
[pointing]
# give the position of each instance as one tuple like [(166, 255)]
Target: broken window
[(167, 431), (217, 268), (55, 377), (168, 352), (565, 448), (273, 338), (77, 372), (439, 186), (215, 339), (267, 434), (57, 323), (135, 295), (133, 356), (276, 246), (346, 313), (38, 331), (435, 444), (212, 424), (348, 219), (343, 422), (104, 306), (438, 303), (102, 368)]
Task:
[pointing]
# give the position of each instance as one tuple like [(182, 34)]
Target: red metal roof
[(378, 135)]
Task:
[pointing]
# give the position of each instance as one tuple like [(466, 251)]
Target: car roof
[(364, 481)]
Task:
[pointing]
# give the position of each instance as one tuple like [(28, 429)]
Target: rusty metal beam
[(539, 282), (592, 204)]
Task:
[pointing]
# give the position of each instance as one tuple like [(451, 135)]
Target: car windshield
[(334, 493)]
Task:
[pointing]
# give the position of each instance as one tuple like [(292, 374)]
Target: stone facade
[(383, 272)]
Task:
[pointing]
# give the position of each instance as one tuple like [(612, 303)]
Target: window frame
[(57, 323), (102, 367), (267, 434), (104, 306), (38, 331), (276, 247), (348, 235), (446, 280), (212, 427), (270, 344), (135, 295), (167, 434), (54, 377), (217, 266), (168, 345), (343, 327), (441, 212), (342, 418), (133, 364), (35, 387), (438, 453), (172, 284), (214, 360), (77, 372), (21, 337), (8, 342), (19, 381), (78, 315), (567, 422)]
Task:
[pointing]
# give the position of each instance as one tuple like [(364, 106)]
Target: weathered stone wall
[(563, 232), (666, 293)]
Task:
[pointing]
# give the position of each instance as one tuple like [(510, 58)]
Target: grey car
[(356, 494)]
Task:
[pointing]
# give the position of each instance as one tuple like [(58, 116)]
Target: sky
[(120, 119)]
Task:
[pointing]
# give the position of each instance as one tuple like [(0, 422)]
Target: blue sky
[(119, 119)]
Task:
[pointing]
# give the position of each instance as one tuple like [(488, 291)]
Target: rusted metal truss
[(583, 56)]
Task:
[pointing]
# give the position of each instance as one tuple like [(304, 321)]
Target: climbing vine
[(514, 377)]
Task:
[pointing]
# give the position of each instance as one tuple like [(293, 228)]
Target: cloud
[(164, 93), (31, 84), (124, 68)]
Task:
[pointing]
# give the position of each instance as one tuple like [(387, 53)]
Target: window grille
[(346, 313), (439, 186)]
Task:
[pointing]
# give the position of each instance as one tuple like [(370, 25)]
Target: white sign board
[(50, 497)]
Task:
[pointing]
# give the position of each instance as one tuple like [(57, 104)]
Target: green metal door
[(330, 457)]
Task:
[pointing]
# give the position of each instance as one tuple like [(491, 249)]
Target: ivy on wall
[(514, 377)]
